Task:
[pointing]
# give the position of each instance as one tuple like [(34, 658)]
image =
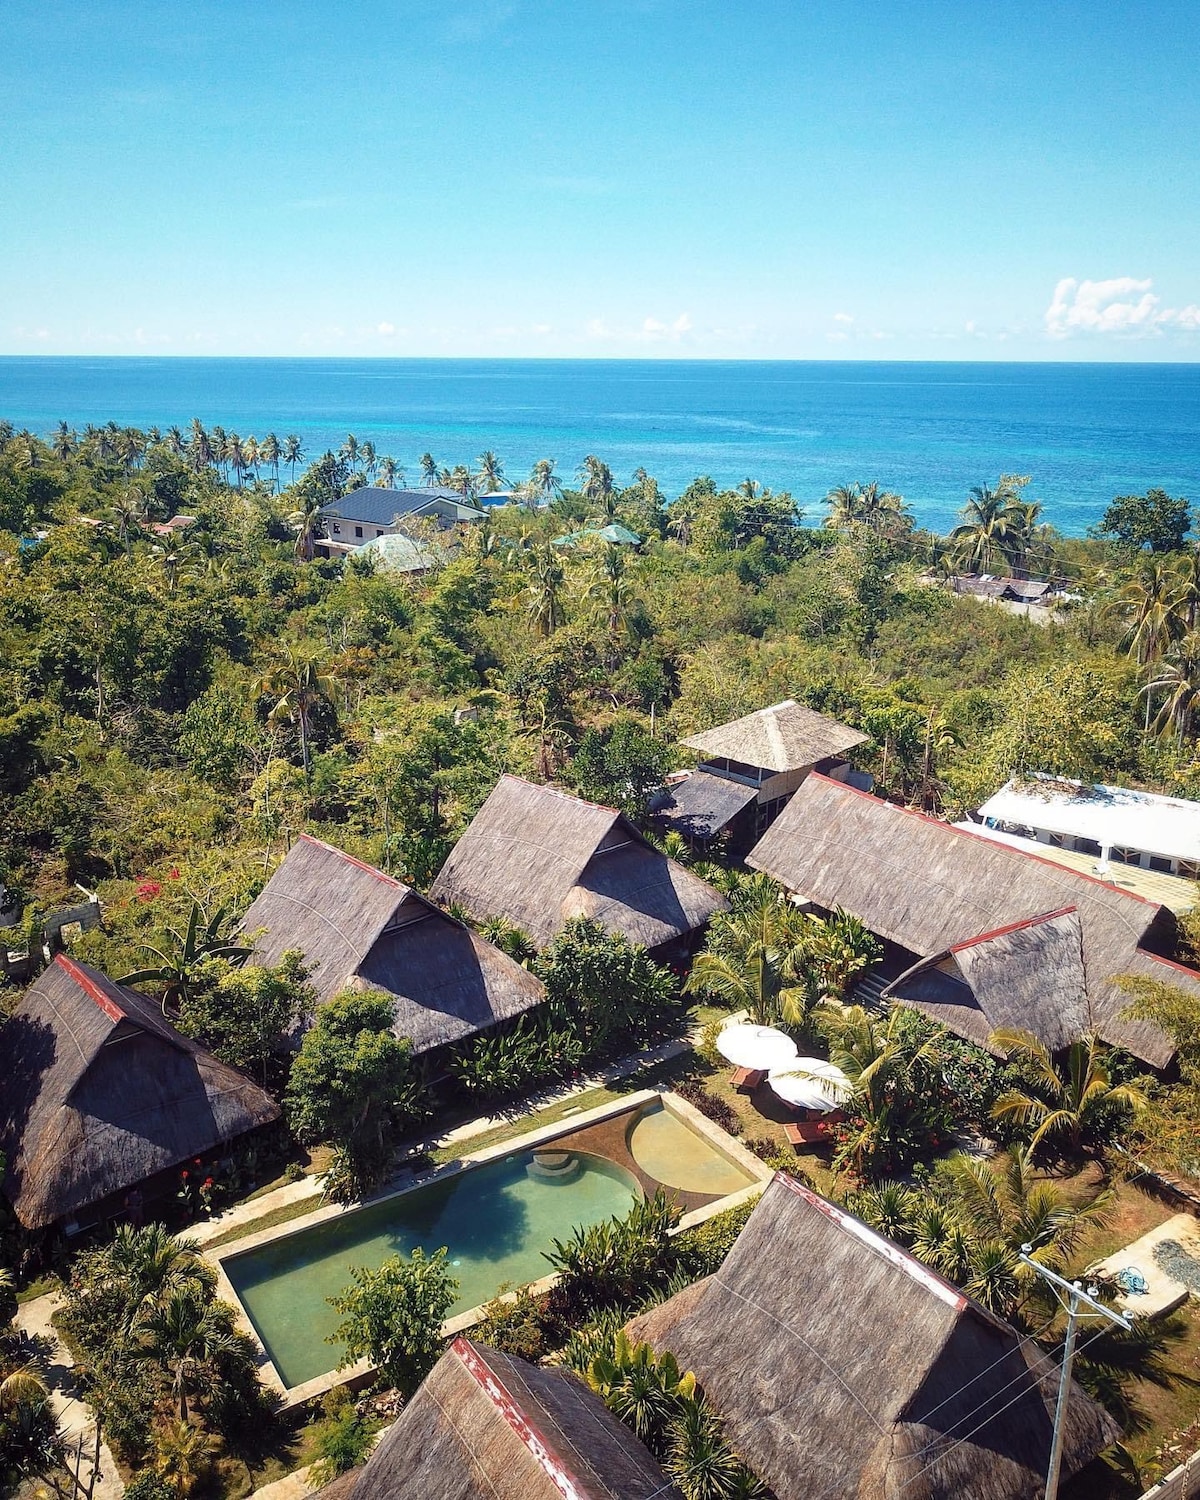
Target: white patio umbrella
[(758, 1047), (810, 1083)]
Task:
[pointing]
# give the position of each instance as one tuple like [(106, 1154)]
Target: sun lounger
[(746, 1080)]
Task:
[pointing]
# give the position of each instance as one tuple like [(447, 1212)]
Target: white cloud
[(1122, 305), (654, 330), (840, 317), (386, 330)]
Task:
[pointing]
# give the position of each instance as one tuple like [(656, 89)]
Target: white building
[(1114, 824)]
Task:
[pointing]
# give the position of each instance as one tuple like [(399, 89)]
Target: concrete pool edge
[(714, 1136)]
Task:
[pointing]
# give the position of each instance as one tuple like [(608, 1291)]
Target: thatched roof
[(843, 1366), (785, 737), (358, 927), (486, 1426), (700, 805), (929, 887), (1029, 976), (99, 1093), (539, 856)]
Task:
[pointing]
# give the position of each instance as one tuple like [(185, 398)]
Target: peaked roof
[(99, 1092), (843, 1366), (701, 805), (539, 856), (785, 737), (487, 1426), (928, 887), (1029, 976), (357, 926), (379, 506)]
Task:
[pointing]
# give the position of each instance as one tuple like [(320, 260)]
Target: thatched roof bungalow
[(539, 857), (487, 1426), (99, 1094), (843, 1366), (359, 928), (946, 895), (749, 768)]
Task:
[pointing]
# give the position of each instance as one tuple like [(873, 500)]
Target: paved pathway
[(74, 1415)]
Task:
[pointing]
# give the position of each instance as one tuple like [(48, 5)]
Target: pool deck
[(608, 1124)]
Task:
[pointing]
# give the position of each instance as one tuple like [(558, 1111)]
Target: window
[(358, 531), (1088, 846), (1189, 869), (1157, 862), (379, 533), (336, 529)]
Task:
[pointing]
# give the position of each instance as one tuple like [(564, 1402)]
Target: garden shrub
[(703, 1249), (709, 1105)]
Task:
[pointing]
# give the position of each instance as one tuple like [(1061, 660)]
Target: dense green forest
[(173, 708)]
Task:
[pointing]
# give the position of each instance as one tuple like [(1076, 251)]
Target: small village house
[(980, 934), (539, 857), (843, 1366), (488, 1426), (358, 928), (100, 1096), (371, 511), (749, 769)]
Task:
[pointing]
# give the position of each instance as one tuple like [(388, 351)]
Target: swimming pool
[(495, 1220)]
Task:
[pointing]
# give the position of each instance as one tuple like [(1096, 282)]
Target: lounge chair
[(746, 1080)]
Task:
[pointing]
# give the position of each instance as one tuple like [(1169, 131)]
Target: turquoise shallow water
[(1086, 432), (494, 1220)]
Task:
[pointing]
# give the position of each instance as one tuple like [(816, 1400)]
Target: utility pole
[(1078, 1304)]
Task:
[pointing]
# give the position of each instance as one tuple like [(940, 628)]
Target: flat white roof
[(1114, 816)]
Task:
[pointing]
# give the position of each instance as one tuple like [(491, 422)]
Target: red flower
[(183, 1175), (174, 872), (208, 1182), (195, 1161), (147, 890)]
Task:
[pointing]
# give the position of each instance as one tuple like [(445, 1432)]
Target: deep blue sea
[(1085, 432)]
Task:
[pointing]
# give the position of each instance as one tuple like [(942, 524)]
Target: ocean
[(1084, 432)]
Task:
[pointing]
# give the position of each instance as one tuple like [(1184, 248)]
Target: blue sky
[(804, 179)]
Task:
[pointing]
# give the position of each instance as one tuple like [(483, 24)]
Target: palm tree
[(175, 444), (429, 469), (250, 455), (349, 450), (235, 457), (1179, 678), (749, 489), (269, 451), (183, 1455), (462, 480), (199, 448), (755, 961), (1076, 1101), (544, 484), (149, 1263), (596, 484), (611, 591), (128, 512), (176, 556), (298, 687), (309, 524), (185, 1332), (368, 458), (490, 475), (989, 534), (545, 590), (63, 443), (293, 453), (389, 472), (681, 518)]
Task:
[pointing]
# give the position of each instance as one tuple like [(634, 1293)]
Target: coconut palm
[(544, 484), (250, 456), (128, 514), (235, 457), (1075, 1102), (368, 458), (755, 961), (389, 472), (148, 1263), (177, 558), (1149, 605), (268, 452), (462, 480), (489, 476), (62, 445), (544, 590), (681, 519), (1179, 680), (989, 534), (429, 469), (596, 484), (349, 450), (298, 687), (199, 448), (309, 524), (293, 454)]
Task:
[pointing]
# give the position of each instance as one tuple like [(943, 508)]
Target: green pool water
[(670, 1150), (494, 1220)]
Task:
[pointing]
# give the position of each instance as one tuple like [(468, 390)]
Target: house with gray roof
[(372, 511)]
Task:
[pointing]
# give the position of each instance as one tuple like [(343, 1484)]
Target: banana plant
[(175, 971)]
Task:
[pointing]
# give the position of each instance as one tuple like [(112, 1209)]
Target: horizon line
[(587, 359)]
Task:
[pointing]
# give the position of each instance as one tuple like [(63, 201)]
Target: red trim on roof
[(359, 864), (900, 1258), (996, 932), (911, 812), (1171, 964), (502, 1399), (90, 988)]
